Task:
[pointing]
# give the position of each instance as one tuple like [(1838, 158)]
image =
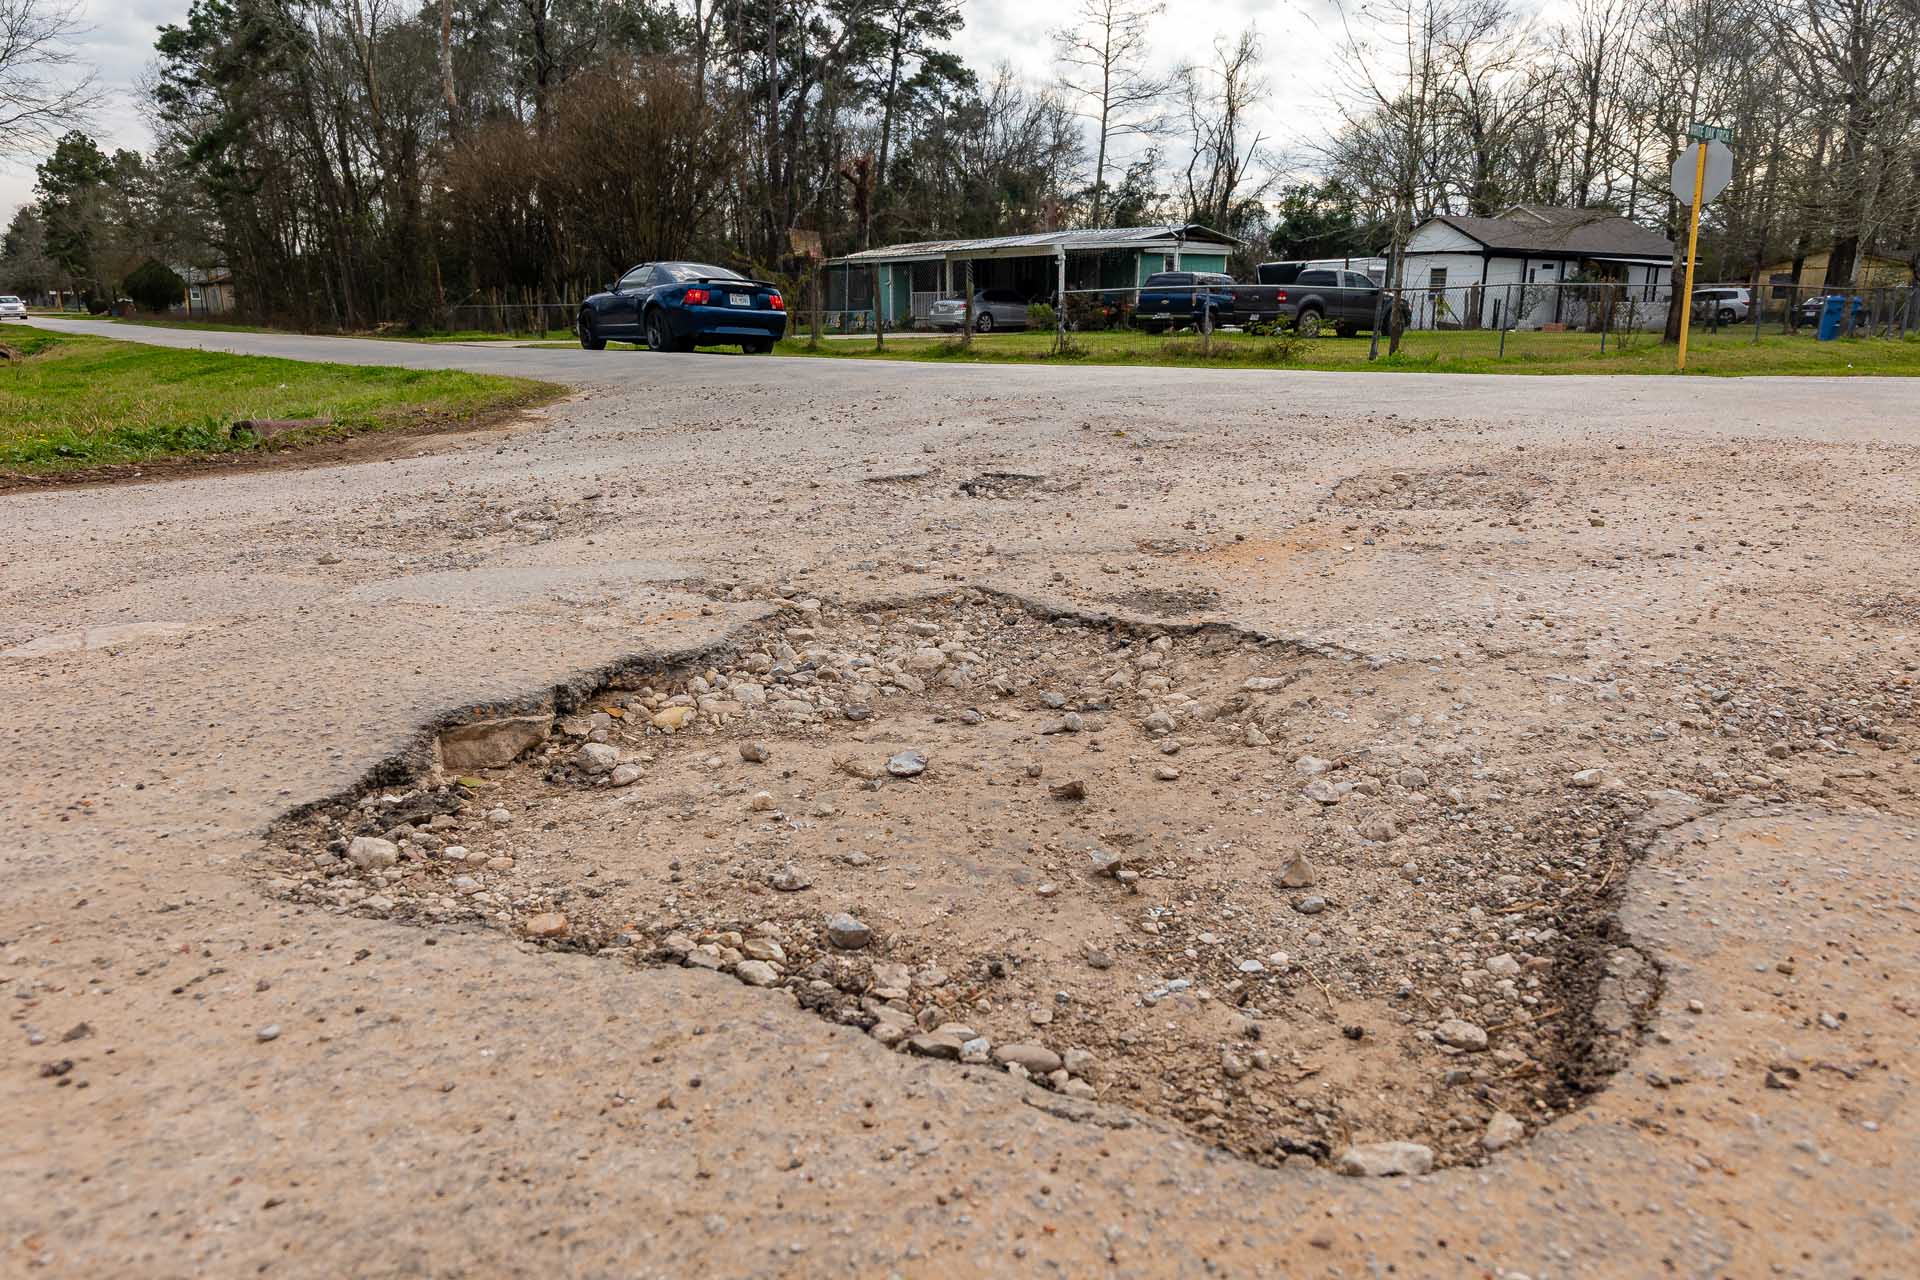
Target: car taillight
[(698, 297), (1279, 295), (777, 302)]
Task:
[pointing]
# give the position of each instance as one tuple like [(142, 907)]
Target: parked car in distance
[(1725, 303), (677, 306), (1808, 312), (992, 309), (11, 308), (1169, 299)]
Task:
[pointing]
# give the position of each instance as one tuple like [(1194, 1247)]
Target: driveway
[(205, 1079)]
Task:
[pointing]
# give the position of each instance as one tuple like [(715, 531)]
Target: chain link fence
[(1494, 321)]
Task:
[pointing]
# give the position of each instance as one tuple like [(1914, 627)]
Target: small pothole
[(1248, 888)]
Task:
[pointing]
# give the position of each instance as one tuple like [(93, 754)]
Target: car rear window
[(700, 271), (1318, 277), (1164, 279)]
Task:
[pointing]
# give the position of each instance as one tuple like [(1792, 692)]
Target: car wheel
[(984, 324), (1308, 324), (660, 336), (757, 348), (1727, 316), (589, 336)]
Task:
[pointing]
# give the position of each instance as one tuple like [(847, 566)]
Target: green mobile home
[(909, 278)]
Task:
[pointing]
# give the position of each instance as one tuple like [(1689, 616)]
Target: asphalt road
[(1842, 407), (182, 661)]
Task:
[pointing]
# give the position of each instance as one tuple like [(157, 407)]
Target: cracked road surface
[(182, 662)]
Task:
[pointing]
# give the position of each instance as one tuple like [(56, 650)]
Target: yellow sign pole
[(1693, 247)]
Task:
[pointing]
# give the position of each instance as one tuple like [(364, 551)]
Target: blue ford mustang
[(675, 306)]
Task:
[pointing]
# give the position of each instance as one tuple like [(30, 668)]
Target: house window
[(1437, 279)]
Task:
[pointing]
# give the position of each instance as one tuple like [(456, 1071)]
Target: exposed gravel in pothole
[(1294, 899)]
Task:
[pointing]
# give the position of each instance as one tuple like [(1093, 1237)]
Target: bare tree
[(1395, 58), (44, 87), (1226, 150), (1103, 68)]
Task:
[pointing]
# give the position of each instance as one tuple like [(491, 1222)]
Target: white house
[(1487, 272)]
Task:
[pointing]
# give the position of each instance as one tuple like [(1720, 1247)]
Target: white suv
[(11, 308), (1727, 305)]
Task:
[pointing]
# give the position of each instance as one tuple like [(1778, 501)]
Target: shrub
[(156, 286), (1040, 315)]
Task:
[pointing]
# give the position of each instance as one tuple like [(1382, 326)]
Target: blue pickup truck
[(1171, 299)]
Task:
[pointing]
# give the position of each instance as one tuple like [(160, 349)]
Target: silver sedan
[(992, 309)]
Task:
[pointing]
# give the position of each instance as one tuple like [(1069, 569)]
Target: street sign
[(1719, 171), (1700, 173), (1709, 133)]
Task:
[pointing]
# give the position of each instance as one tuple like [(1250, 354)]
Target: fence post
[(966, 332), (813, 341), (1060, 309), (1506, 322), (879, 325)]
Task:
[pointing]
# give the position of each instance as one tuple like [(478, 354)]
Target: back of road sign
[(1719, 171)]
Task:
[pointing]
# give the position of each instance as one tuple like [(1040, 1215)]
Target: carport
[(909, 278)]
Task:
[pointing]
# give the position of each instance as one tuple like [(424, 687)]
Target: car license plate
[(740, 299)]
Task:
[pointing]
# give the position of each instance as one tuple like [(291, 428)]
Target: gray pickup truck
[(1319, 297)]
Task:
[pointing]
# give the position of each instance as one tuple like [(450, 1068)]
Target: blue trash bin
[(1832, 310)]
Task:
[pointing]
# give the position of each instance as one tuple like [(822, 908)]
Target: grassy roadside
[(69, 402), (463, 335), (1725, 354)]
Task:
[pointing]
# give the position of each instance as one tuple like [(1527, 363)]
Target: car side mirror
[(613, 286)]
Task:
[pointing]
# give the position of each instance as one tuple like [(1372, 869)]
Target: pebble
[(1502, 1131), (548, 924), (1297, 874), (1311, 905), (1166, 773), (673, 719), (269, 1032), (760, 801), (1035, 1058), (756, 973), (371, 852), (907, 764), (1589, 778), (624, 775), (1384, 1160), (790, 879), (1461, 1035), (596, 758), (846, 932), (1322, 791), (755, 752)]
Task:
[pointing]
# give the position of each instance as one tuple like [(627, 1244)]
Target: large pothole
[(1290, 899)]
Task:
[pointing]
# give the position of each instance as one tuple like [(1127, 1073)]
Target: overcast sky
[(1016, 31)]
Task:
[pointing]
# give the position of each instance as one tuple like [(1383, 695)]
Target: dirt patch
[(1456, 489), (1285, 898)]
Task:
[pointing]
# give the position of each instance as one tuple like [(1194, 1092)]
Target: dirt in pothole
[(1291, 899)]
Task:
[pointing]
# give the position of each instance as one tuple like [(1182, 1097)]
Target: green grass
[(71, 402), (462, 335), (1727, 354)]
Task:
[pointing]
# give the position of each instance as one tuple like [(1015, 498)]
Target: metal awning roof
[(1046, 244)]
